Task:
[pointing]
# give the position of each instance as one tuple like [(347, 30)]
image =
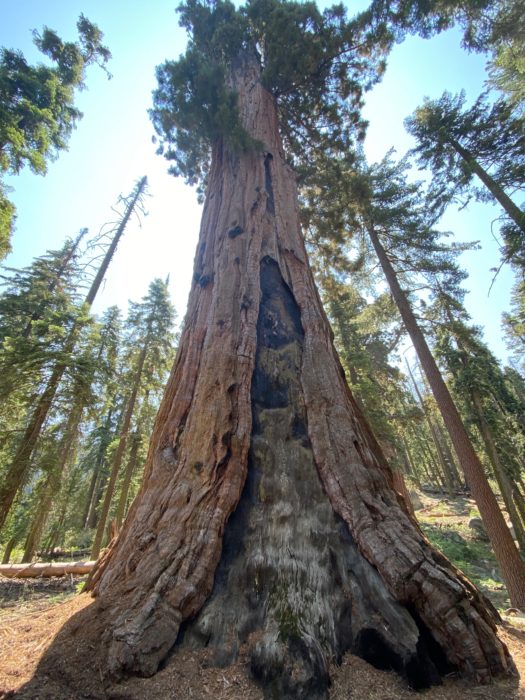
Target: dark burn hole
[(270, 201), (299, 431), (279, 320), (223, 463), (371, 647), (431, 664), (259, 593), (202, 280), (235, 231)]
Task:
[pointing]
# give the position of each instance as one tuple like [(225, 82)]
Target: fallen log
[(39, 570)]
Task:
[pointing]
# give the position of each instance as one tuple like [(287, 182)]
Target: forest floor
[(32, 613)]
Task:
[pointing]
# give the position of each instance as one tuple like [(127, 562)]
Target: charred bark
[(267, 515)]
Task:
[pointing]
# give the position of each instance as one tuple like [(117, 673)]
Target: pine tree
[(480, 387), (38, 112), (380, 203), (151, 323), (90, 375), (21, 462), (485, 141), (37, 308)]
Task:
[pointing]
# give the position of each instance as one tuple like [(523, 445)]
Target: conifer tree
[(380, 203), (485, 141), (20, 464), (86, 379), (481, 391), (262, 472), (38, 111), (151, 325), (37, 308)]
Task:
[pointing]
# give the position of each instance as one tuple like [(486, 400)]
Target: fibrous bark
[(267, 515)]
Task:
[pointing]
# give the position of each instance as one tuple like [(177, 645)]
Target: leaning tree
[(267, 515)]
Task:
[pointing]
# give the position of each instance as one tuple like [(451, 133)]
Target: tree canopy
[(37, 109), (316, 64)]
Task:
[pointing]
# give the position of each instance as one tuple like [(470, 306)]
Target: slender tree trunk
[(518, 500), (449, 457), (119, 453), (498, 469), (444, 442), (449, 484), (511, 565), (436, 472), (93, 495), (126, 482), (20, 466), (263, 475), (410, 467), (8, 550), (513, 211), (53, 481)]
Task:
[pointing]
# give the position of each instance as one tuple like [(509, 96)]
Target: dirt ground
[(40, 620), (30, 642)]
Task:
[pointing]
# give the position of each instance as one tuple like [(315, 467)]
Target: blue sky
[(112, 147)]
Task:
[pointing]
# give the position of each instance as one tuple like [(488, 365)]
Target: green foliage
[(514, 324), (488, 131), (316, 65), (475, 559), (38, 308), (37, 111), (507, 74), (485, 140), (485, 23)]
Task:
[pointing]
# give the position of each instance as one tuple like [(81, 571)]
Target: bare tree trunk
[(53, 481), (8, 550), (498, 469), (126, 482), (119, 453), (94, 494), (511, 565), (267, 514), (449, 484)]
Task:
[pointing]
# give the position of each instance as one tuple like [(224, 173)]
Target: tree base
[(310, 564), (291, 583)]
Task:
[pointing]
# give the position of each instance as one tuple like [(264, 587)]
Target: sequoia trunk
[(267, 515)]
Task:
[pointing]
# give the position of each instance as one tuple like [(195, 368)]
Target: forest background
[(112, 147), (82, 393)]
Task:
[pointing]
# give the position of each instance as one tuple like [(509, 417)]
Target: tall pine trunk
[(119, 452), (511, 565), (511, 209), (126, 482), (53, 480), (267, 513)]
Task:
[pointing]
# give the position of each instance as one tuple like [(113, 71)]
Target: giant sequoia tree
[(267, 514)]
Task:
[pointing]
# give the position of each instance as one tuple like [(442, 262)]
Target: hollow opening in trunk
[(291, 583)]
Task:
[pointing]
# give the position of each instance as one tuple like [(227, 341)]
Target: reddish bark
[(318, 532)]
